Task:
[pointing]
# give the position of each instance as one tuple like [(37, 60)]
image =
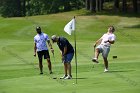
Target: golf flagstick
[(75, 48)]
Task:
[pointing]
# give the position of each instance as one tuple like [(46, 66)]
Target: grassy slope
[(19, 69)]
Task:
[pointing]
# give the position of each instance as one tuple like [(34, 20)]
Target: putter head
[(54, 77), (114, 57)]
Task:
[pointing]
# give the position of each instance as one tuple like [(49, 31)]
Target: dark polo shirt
[(62, 42)]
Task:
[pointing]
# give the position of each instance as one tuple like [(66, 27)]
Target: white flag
[(70, 26)]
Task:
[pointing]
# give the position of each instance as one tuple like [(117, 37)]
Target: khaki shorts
[(104, 50)]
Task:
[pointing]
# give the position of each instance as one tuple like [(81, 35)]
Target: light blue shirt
[(40, 40)]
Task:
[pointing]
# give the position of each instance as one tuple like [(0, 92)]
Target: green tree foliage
[(9, 8), (13, 8), (117, 5), (17, 8)]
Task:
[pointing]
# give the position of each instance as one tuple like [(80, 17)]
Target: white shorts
[(104, 50)]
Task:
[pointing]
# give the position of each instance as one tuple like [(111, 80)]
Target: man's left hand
[(52, 50), (106, 41)]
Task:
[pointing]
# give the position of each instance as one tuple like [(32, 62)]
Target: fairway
[(19, 72)]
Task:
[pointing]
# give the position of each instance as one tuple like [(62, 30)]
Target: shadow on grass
[(80, 78), (120, 71)]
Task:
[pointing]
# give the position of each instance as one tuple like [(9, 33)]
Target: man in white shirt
[(103, 47), (40, 47)]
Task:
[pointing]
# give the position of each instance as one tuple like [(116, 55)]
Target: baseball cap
[(38, 28), (53, 37)]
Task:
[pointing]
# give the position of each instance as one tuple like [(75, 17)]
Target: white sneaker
[(68, 77), (95, 60), (106, 70), (63, 77)]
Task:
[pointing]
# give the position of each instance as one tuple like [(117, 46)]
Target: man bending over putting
[(67, 53)]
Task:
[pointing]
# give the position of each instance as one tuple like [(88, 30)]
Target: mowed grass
[(19, 72)]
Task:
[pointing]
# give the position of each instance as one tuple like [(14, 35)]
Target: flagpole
[(75, 51)]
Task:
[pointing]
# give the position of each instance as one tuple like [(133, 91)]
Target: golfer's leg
[(96, 53), (40, 66), (69, 68), (105, 55), (40, 61), (49, 65), (105, 62), (65, 68)]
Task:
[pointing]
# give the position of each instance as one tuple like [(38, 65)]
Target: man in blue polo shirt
[(67, 53)]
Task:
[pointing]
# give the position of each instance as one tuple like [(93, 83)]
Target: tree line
[(18, 8), (118, 5), (10, 8)]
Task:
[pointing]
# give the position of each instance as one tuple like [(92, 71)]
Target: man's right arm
[(35, 49), (98, 42)]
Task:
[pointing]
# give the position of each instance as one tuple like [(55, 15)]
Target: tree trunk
[(135, 7), (124, 5), (92, 7), (24, 7), (97, 8), (18, 10), (67, 6), (28, 12), (99, 5), (102, 2), (87, 4), (116, 4)]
